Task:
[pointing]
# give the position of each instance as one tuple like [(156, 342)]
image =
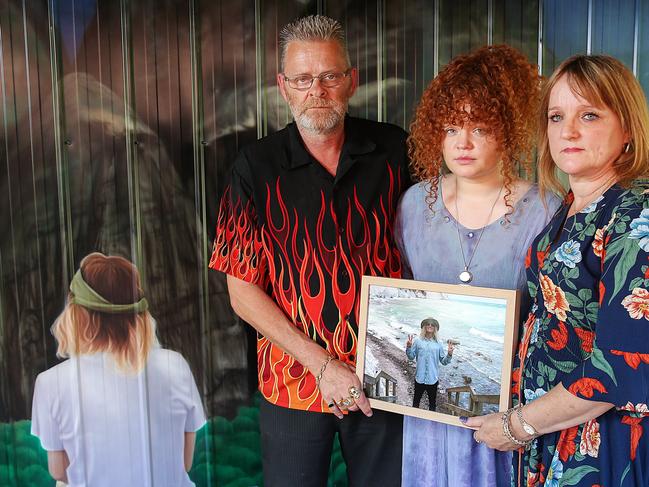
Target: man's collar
[(356, 143), (298, 155)]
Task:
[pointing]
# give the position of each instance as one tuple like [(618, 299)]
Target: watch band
[(527, 427)]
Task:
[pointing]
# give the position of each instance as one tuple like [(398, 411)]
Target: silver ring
[(353, 392), (348, 401), (475, 437)]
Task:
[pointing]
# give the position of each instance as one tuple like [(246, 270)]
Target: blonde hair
[(606, 82), (429, 321), (127, 337)]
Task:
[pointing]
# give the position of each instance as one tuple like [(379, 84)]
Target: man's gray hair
[(312, 28)]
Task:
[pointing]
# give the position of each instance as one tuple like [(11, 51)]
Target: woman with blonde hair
[(121, 410), (470, 220), (581, 385), (429, 354)]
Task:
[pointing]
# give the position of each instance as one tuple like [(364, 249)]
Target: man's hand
[(251, 303), (335, 383)]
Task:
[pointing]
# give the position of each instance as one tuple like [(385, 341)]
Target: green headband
[(87, 297)]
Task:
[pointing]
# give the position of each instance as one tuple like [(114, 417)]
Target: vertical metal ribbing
[(436, 39), (541, 39), (259, 70), (199, 153), (62, 170), (380, 54), (135, 214), (3, 98), (589, 42), (236, 102), (14, 271), (490, 22), (636, 37), (39, 262), (404, 105), (278, 96), (539, 60), (129, 135), (3, 344), (198, 140), (366, 57), (62, 173)]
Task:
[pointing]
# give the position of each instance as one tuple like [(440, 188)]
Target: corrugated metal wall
[(120, 119)]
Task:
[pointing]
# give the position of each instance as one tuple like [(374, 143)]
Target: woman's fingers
[(474, 422), (488, 430)]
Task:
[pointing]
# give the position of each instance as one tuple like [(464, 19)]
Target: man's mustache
[(317, 104)]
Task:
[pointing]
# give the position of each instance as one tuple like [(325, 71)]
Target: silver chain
[(457, 228)]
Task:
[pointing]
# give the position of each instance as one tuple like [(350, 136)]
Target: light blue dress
[(436, 454)]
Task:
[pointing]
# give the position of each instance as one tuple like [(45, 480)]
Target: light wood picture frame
[(482, 325)]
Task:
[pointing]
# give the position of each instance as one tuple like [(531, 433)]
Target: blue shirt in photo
[(429, 354)]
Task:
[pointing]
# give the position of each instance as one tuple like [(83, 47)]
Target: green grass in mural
[(227, 454), (22, 460)]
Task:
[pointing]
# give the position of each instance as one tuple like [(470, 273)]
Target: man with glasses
[(309, 211)]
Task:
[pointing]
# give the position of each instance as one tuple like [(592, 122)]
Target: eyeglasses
[(304, 82)]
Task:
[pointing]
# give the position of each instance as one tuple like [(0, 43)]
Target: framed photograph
[(436, 351)]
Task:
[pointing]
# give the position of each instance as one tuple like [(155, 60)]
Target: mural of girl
[(121, 410)]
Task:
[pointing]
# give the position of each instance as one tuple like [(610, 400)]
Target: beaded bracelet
[(508, 433), (318, 377)]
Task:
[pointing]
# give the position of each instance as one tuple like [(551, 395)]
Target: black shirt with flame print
[(307, 237)]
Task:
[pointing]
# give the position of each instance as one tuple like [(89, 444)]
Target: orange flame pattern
[(309, 276), (237, 246)]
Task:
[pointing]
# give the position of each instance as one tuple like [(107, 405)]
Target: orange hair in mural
[(128, 337)]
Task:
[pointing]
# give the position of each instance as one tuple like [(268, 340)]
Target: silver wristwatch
[(527, 427)]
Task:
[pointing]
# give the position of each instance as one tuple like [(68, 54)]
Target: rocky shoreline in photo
[(461, 371)]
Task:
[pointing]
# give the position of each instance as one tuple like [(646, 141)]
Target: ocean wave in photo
[(474, 324), (486, 336)]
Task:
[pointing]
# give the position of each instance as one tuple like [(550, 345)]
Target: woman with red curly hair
[(470, 220)]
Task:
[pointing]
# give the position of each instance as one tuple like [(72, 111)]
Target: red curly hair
[(501, 87)]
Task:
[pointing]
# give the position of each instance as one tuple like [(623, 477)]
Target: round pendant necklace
[(466, 276)]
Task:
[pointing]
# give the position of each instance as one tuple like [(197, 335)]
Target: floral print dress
[(588, 329)]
